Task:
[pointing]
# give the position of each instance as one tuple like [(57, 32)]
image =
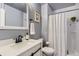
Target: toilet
[(48, 51)]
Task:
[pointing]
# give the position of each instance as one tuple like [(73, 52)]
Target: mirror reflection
[(15, 14)]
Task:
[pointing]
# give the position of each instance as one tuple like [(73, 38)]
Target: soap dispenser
[(27, 36)]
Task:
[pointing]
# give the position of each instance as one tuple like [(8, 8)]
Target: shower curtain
[(58, 35)]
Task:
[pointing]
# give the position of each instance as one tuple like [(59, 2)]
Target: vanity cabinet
[(26, 48), (34, 51)]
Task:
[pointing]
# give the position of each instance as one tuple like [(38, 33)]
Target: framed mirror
[(15, 15)]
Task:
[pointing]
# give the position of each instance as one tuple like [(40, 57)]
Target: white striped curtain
[(58, 33)]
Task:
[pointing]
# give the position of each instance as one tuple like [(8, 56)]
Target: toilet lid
[(48, 50)]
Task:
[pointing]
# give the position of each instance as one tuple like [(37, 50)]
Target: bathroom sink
[(21, 44), (18, 45)]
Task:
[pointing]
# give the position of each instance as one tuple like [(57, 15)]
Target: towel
[(32, 29), (2, 17)]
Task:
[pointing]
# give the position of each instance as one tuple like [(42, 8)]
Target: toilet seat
[(48, 51)]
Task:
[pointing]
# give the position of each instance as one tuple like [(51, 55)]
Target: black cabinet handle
[(32, 54), (35, 52)]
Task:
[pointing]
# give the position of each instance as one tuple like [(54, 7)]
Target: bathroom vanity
[(17, 19), (29, 47)]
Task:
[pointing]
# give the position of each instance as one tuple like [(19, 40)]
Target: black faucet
[(19, 39)]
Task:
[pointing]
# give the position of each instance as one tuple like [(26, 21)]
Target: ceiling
[(55, 6)]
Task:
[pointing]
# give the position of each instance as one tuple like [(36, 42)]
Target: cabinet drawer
[(26, 53), (34, 49)]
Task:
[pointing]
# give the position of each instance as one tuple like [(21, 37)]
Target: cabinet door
[(38, 53)]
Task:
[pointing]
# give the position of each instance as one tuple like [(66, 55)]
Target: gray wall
[(7, 34), (35, 7), (49, 10), (45, 12)]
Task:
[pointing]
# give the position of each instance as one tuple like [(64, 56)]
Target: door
[(73, 31)]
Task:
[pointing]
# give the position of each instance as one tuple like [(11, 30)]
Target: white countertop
[(15, 49)]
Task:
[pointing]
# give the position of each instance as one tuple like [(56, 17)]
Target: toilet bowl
[(48, 51)]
